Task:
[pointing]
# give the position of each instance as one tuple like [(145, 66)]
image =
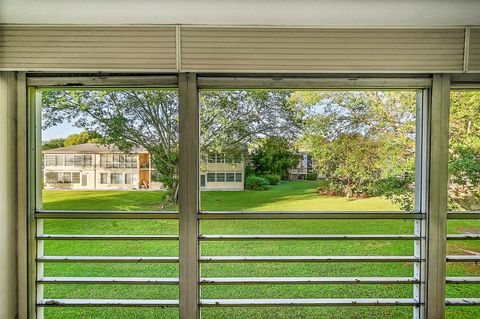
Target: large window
[(463, 197), (314, 204), (109, 214)]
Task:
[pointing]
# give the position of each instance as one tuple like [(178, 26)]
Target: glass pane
[(97, 144), (464, 151), (308, 150)]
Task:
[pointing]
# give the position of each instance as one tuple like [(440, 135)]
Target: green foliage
[(464, 151), (358, 138), (272, 179), (256, 183), (312, 176), (274, 155), (53, 143), (82, 138)]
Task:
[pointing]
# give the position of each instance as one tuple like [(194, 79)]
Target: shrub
[(312, 176), (256, 183), (272, 179)]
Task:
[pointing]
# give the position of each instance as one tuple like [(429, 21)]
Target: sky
[(60, 131)]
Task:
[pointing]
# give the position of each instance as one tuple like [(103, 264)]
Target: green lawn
[(292, 196)]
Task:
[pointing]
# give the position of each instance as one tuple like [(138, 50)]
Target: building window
[(128, 178), (50, 160), (103, 178), (51, 177), (220, 177), (76, 177), (210, 177), (238, 177), (202, 181), (230, 177), (69, 160), (116, 178)]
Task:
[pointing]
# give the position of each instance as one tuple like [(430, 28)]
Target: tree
[(53, 143), (358, 138), (274, 155), (82, 138), (464, 151), (351, 162), (149, 118)]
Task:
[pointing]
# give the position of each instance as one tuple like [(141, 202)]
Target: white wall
[(8, 271), (245, 12)]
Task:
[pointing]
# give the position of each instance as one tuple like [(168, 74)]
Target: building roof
[(88, 148)]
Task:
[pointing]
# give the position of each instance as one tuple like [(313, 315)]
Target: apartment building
[(105, 167)]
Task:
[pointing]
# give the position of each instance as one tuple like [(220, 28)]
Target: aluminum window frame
[(433, 92)]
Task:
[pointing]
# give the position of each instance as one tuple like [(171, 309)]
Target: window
[(75, 177), (69, 160), (238, 177), (50, 160), (202, 180), (59, 160), (230, 177), (103, 178), (220, 177), (51, 177), (128, 178), (210, 177), (116, 178)]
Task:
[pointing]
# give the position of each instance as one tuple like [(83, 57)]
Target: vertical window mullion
[(189, 196)]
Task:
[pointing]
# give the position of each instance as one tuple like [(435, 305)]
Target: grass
[(294, 196)]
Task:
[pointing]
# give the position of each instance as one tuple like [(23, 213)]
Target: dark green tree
[(53, 143), (274, 155)]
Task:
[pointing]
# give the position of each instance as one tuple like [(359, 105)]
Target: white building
[(94, 166), (100, 167)]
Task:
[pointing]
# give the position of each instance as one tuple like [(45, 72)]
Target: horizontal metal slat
[(108, 280), (57, 214), (106, 237), (463, 215), (463, 280), (306, 237), (302, 259), (308, 280), (106, 303), (106, 259), (306, 302), (462, 301), (466, 258), (307, 215), (463, 236)]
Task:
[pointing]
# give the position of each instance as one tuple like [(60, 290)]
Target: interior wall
[(245, 12), (8, 270)]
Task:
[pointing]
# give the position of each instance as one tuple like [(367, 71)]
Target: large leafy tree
[(149, 118), (464, 150), (274, 155), (359, 138)]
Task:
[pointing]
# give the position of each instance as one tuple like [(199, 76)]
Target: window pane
[(323, 150), (113, 140), (220, 177), (211, 177), (230, 177), (75, 177), (69, 160), (103, 178)]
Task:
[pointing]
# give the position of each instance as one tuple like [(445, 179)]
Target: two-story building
[(105, 167)]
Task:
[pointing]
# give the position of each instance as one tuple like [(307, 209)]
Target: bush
[(272, 179), (256, 183), (312, 176)]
